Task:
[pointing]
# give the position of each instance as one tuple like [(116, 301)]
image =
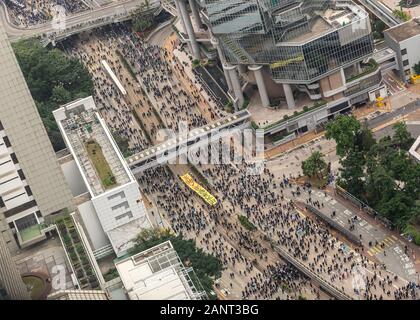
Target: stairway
[(234, 47)]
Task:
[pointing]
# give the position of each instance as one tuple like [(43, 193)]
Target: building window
[(14, 158), (121, 205), (7, 141), (404, 51), (128, 214), (28, 190), (405, 63), (21, 175), (120, 194)]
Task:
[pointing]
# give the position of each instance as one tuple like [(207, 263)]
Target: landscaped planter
[(77, 254)]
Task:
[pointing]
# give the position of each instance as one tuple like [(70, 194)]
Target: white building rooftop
[(156, 274), (415, 149), (97, 154)]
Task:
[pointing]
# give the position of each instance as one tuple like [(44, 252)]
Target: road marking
[(387, 242), (347, 212), (395, 238), (411, 271)]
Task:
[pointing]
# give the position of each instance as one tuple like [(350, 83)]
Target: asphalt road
[(386, 117), (382, 241)]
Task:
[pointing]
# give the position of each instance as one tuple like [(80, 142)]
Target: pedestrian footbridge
[(195, 138)]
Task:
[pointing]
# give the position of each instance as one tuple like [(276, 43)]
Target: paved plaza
[(47, 258)]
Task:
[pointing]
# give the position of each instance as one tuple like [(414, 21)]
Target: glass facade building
[(300, 41)]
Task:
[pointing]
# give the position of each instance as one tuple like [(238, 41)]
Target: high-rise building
[(115, 212), (11, 284), (295, 53), (32, 184)]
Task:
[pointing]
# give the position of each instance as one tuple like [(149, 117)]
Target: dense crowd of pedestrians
[(26, 13)]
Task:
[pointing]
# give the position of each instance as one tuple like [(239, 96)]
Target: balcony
[(367, 69), (32, 234)]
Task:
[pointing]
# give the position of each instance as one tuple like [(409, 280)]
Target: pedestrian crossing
[(381, 246)]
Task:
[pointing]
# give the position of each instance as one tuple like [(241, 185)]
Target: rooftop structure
[(157, 274), (404, 39), (415, 149), (97, 154), (78, 295), (115, 195), (405, 30)]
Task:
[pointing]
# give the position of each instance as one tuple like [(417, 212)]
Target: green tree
[(401, 14), (379, 26), (402, 137), (382, 174), (123, 144), (343, 130), (416, 68), (53, 79), (352, 173), (60, 95), (364, 139), (142, 21), (315, 166), (380, 186)]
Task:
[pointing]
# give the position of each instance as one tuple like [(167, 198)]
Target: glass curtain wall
[(292, 37)]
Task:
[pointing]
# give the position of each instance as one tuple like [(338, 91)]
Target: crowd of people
[(266, 202), (251, 271), (26, 13), (156, 94)]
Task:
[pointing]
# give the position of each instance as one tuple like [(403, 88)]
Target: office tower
[(316, 51), (11, 284), (32, 184)]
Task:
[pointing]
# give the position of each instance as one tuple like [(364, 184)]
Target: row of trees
[(53, 79), (380, 173)]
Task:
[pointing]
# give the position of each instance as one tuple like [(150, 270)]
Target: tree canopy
[(343, 130), (315, 165), (416, 68), (123, 144), (382, 173), (53, 79)]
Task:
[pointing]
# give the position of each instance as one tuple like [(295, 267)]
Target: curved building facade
[(300, 41)]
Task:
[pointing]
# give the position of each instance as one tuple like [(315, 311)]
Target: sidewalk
[(291, 145), (360, 113)]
